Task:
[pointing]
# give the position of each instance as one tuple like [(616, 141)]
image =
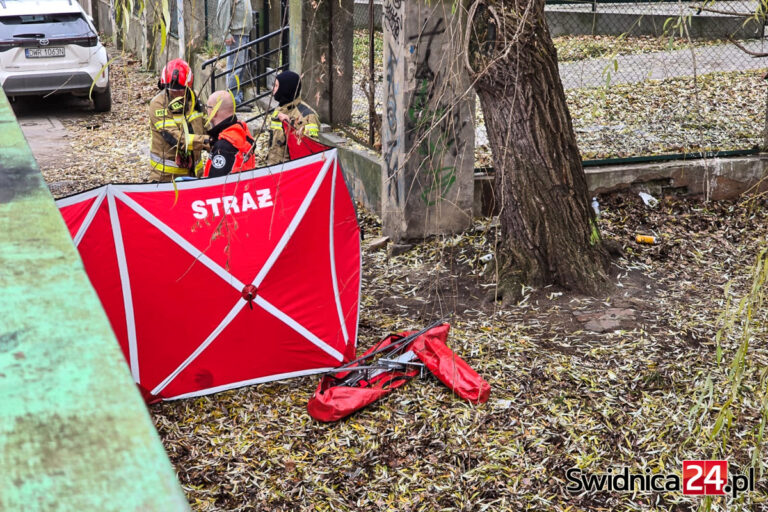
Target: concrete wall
[(75, 434), (87, 6), (194, 33), (137, 39), (564, 22), (715, 178), (143, 37), (712, 178), (362, 170), (101, 17)]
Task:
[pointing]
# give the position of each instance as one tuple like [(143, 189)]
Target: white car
[(51, 47)]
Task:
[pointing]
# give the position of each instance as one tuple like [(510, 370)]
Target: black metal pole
[(284, 36), (264, 63), (765, 127), (394, 346), (205, 15), (371, 81), (330, 61), (253, 51)]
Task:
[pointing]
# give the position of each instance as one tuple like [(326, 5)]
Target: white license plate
[(38, 53)]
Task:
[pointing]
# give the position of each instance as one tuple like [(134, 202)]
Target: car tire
[(102, 101)]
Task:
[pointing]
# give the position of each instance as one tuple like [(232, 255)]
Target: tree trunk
[(548, 226)]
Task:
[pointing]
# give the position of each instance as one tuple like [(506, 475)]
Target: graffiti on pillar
[(393, 17), (432, 128), (432, 123), (424, 71), (391, 158)]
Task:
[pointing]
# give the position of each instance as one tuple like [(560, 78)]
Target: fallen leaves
[(562, 396), (582, 47), (110, 147)]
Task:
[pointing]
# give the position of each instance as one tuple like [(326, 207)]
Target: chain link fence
[(661, 77), (642, 79), (367, 75)]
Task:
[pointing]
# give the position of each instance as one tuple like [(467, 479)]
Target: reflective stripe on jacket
[(178, 135), (166, 166), (303, 119)]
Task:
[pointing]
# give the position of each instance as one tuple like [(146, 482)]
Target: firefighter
[(230, 139), (287, 92), (177, 123)]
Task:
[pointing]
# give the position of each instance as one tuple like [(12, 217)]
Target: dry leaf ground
[(563, 396)]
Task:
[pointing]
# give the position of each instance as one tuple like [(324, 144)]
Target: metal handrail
[(243, 47), (263, 114), (265, 74), (260, 61), (249, 62)]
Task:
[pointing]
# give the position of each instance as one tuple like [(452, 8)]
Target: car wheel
[(102, 101)]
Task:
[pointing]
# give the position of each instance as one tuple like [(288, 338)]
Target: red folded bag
[(452, 370), (332, 402)]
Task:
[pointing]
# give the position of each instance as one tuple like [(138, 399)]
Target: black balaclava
[(289, 88)]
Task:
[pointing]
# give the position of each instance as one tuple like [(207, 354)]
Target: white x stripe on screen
[(237, 284), (89, 217), (130, 324)]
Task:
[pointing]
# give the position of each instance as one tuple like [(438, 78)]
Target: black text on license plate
[(37, 53)]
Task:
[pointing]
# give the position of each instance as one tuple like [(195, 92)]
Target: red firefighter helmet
[(176, 75)]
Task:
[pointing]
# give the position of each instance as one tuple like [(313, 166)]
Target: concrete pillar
[(428, 123), (321, 51), (273, 12), (194, 27)]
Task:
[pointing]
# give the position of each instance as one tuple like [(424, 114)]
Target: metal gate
[(267, 56)]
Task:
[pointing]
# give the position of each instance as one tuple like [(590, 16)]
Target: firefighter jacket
[(231, 144), (303, 119), (174, 149)]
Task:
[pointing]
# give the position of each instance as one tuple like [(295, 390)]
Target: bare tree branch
[(745, 50), (701, 8)]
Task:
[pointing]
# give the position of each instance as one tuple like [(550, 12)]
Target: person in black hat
[(287, 92)]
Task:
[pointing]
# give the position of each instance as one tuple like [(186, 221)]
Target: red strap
[(207, 169)]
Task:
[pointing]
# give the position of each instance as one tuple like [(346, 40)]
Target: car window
[(39, 26)]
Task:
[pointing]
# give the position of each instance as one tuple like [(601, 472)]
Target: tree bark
[(549, 232)]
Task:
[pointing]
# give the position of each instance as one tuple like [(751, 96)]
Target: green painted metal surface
[(75, 434)]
